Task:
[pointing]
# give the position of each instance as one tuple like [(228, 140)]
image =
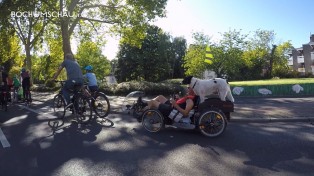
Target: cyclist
[(91, 78), (74, 76), (26, 84)]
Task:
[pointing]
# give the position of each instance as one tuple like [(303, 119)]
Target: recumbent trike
[(209, 117)]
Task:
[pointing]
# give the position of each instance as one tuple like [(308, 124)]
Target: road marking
[(5, 143)]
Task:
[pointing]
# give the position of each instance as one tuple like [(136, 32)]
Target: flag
[(208, 56)]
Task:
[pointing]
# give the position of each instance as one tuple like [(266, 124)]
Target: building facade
[(302, 59)]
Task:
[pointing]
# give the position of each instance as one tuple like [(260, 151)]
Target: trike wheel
[(212, 123), (152, 120)]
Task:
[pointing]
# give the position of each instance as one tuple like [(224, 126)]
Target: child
[(91, 78)]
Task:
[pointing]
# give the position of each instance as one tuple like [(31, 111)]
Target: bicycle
[(80, 104), (100, 102)]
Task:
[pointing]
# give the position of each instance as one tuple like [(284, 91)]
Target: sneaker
[(185, 120)]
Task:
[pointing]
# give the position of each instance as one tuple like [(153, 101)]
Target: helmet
[(23, 70), (88, 68)]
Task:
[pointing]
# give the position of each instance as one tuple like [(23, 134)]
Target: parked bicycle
[(80, 104)]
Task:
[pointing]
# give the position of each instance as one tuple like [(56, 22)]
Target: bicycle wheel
[(83, 109), (101, 105), (212, 123), (152, 120), (59, 106)]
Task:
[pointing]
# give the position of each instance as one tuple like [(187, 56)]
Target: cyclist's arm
[(58, 72)]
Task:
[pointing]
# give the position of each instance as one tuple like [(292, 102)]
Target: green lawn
[(263, 82), (273, 82)]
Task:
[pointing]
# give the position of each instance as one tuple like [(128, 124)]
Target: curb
[(269, 120)]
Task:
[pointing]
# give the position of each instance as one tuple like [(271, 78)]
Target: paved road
[(123, 147), (260, 109)]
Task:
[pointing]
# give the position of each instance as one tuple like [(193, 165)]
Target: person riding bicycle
[(91, 78), (74, 76), (26, 84), (183, 105)]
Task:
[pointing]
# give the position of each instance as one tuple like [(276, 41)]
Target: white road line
[(5, 143)]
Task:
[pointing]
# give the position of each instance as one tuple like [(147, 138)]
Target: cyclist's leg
[(66, 91), (24, 89), (28, 85)]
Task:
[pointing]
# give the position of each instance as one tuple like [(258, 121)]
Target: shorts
[(165, 109)]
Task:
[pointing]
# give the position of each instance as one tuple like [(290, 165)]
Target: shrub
[(148, 87)]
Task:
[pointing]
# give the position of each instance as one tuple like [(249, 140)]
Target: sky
[(291, 20)]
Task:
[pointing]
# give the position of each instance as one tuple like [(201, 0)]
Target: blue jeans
[(69, 86)]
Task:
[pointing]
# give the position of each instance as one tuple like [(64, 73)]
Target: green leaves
[(89, 53), (157, 59)]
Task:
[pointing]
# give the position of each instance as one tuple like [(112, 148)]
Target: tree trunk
[(28, 61), (66, 45)]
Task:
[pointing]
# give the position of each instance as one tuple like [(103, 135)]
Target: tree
[(229, 56), (28, 26), (89, 53), (194, 59), (257, 55), (178, 51), (280, 63), (129, 18), (153, 61), (10, 51)]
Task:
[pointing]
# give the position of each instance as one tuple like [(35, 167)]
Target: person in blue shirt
[(74, 75), (91, 78)]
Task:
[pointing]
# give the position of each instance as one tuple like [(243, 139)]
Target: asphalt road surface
[(121, 146)]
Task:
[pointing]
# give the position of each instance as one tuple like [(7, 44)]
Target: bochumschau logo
[(48, 14)]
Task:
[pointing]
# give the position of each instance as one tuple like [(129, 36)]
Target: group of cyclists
[(7, 84), (75, 77)]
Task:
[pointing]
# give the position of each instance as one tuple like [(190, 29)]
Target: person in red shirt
[(165, 106)]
